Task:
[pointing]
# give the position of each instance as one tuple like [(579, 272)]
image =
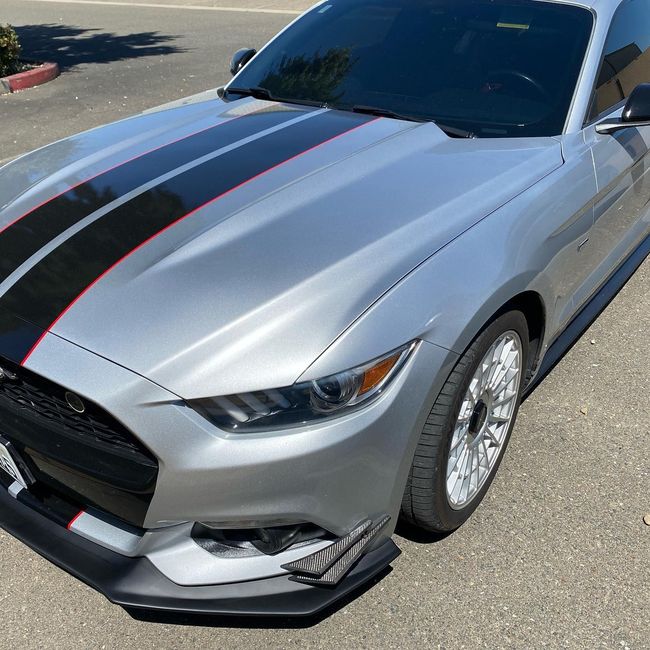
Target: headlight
[(301, 403)]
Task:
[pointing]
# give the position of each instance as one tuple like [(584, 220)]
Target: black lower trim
[(591, 310), (136, 583), (343, 560)]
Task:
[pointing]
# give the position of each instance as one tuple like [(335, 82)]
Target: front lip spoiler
[(136, 583)]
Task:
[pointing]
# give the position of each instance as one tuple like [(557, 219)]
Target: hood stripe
[(29, 233), (49, 289), (17, 336)]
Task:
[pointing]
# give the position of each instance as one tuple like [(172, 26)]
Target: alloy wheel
[(484, 420)]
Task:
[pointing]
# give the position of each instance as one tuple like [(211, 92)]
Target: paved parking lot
[(557, 555)]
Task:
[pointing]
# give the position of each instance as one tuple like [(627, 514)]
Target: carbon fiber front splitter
[(136, 583)]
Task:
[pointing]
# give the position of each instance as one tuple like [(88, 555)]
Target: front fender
[(528, 245)]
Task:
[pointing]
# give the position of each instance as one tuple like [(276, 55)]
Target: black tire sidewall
[(513, 320)]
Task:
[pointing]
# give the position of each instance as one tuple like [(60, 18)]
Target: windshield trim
[(584, 69)]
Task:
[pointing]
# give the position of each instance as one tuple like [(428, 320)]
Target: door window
[(626, 57)]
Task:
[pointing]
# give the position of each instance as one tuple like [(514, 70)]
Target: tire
[(426, 503)]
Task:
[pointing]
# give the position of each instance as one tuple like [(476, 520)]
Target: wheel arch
[(531, 305)]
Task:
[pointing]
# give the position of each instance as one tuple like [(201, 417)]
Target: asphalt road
[(118, 60), (557, 555)]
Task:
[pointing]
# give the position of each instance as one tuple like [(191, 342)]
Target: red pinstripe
[(171, 225)]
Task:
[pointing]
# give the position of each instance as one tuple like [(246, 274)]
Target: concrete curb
[(21, 80)]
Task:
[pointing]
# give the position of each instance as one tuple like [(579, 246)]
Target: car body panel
[(264, 262), (377, 233), (621, 164), (202, 468), (39, 175)]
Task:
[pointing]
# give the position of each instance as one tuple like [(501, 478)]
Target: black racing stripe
[(35, 229), (52, 285), (17, 336)]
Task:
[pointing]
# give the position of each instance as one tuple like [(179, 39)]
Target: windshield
[(493, 68)]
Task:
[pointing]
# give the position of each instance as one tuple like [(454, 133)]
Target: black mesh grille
[(88, 458), (45, 400)]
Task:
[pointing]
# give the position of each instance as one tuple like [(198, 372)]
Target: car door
[(621, 160)]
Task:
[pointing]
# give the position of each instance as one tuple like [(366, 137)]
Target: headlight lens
[(301, 403)]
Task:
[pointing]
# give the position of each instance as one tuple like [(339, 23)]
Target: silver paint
[(112, 537), (391, 233)]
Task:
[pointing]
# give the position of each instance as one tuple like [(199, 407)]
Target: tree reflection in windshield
[(303, 77)]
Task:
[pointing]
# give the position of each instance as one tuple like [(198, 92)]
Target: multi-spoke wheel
[(468, 428), (484, 419)]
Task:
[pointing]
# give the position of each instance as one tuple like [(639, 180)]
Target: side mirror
[(240, 58), (635, 113)]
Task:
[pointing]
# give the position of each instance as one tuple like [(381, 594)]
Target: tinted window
[(499, 68), (626, 56)]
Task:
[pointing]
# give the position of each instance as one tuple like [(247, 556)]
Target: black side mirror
[(635, 113), (240, 58)]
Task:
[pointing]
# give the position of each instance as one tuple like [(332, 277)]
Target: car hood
[(231, 263)]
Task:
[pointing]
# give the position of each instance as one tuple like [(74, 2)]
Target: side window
[(626, 57)]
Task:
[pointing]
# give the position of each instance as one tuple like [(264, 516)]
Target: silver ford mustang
[(240, 336)]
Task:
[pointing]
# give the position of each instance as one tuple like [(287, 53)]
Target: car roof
[(596, 5)]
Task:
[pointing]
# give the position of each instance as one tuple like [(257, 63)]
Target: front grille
[(45, 400), (88, 458)]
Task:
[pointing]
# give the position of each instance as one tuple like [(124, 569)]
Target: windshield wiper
[(386, 112), (254, 91), (454, 132), (258, 92), (263, 93)]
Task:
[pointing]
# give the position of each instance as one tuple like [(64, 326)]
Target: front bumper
[(134, 582), (333, 475)]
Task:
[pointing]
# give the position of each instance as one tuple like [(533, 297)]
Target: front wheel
[(468, 428)]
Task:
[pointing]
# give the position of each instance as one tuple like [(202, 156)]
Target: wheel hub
[(478, 418)]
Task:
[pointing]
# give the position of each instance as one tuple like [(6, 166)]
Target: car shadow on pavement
[(254, 622), (417, 535), (71, 46)]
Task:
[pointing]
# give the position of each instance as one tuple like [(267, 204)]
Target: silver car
[(240, 337)]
